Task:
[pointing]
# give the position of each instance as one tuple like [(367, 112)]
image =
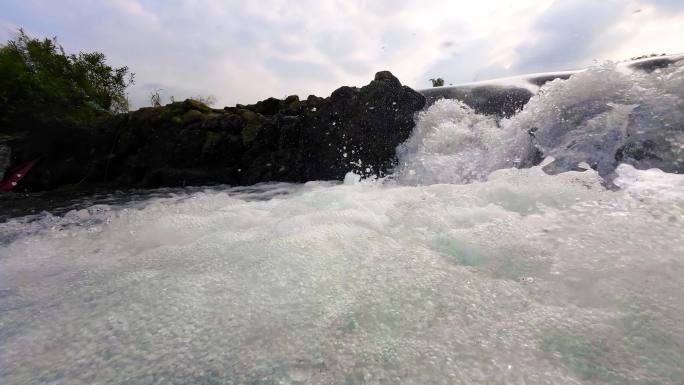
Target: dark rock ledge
[(188, 143)]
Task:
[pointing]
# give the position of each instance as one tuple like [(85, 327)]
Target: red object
[(15, 175)]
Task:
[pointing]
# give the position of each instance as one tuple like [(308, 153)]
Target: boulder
[(355, 129)]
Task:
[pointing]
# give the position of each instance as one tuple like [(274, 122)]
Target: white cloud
[(245, 51), (651, 30)]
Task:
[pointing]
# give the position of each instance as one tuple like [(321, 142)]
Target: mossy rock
[(150, 115), (291, 99), (6, 137), (231, 122), (116, 121), (191, 104), (192, 116), (292, 105), (212, 139), (284, 140), (253, 123)]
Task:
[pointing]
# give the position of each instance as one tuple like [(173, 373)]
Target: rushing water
[(458, 269)]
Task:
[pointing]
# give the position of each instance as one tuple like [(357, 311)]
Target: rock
[(651, 65), (502, 101), (269, 106), (354, 130), (358, 130), (5, 155), (188, 143), (252, 123), (654, 151)]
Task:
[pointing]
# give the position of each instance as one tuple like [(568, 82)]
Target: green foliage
[(253, 122), (437, 82), (42, 86)]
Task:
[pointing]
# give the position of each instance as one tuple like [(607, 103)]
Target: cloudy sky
[(243, 51)]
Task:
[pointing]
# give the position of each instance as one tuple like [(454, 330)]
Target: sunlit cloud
[(246, 51)]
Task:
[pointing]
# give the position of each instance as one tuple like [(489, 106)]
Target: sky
[(244, 51)]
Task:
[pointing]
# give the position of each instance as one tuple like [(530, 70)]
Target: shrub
[(208, 100), (42, 86)]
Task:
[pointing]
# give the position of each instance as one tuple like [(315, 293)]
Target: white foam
[(458, 269), (453, 144), (601, 116), (473, 283)]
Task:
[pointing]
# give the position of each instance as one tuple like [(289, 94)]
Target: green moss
[(293, 104), (177, 113), (150, 115), (192, 116), (6, 137), (253, 123), (211, 139), (192, 104)]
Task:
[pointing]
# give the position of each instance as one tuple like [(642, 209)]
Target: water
[(602, 117), (465, 266)]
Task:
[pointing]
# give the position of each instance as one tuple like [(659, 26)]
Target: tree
[(41, 86), (437, 82)]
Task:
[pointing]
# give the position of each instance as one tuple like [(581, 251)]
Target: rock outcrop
[(188, 143), (5, 156)]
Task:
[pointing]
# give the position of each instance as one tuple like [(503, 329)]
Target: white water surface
[(457, 269)]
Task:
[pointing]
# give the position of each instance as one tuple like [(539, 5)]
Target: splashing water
[(602, 117), (464, 267)]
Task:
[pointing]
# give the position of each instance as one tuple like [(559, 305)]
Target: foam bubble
[(526, 275)]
